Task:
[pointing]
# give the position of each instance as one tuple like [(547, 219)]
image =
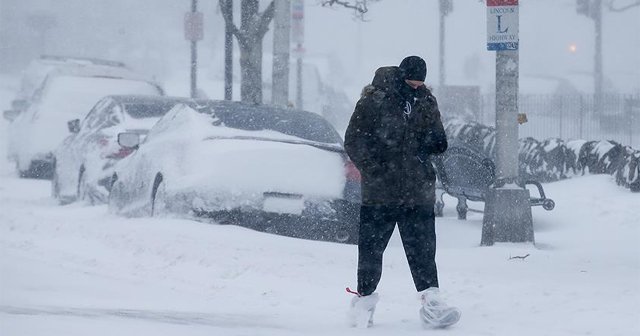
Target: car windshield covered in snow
[(300, 124)]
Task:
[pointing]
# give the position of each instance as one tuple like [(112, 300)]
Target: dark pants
[(417, 230)]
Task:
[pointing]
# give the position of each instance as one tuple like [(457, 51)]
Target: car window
[(115, 116), (96, 114), (148, 109)]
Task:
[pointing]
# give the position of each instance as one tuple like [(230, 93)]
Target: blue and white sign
[(502, 25)]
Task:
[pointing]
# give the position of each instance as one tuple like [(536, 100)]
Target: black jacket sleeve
[(435, 140), (359, 141)]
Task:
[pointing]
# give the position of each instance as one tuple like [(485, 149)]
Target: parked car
[(83, 163), (66, 94), (279, 170), (38, 70)]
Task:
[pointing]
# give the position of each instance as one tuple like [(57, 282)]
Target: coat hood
[(385, 79)]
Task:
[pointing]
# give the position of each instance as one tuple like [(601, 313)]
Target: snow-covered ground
[(76, 270)]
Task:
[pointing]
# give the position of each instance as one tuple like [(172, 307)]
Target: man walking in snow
[(394, 129)]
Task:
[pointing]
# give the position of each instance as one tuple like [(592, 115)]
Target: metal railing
[(573, 117)]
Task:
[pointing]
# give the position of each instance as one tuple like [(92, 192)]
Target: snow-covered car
[(83, 163), (280, 170), (38, 70), (35, 133)]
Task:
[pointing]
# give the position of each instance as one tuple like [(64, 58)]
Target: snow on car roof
[(96, 71), (73, 96), (49, 66), (198, 121), (252, 117), (58, 59)]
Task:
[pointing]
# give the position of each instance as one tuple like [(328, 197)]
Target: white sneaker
[(435, 313), (361, 310)]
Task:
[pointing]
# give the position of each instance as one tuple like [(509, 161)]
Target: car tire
[(55, 184), (81, 194), (116, 197), (158, 196)]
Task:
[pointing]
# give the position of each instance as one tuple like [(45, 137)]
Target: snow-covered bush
[(555, 159)]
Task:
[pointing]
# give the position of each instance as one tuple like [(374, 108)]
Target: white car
[(274, 169), (38, 70), (35, 133), (84, 162)]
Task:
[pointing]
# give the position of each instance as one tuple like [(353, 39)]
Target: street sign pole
[(193, 31), (507, 215), (281, 49), (297, 35), (446, 6), (228, 53)]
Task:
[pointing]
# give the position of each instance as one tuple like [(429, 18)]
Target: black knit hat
[(414, 68)]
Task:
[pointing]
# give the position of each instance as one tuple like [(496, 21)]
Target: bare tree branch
[(520, 257), (360, 7), (611, 6), (229, 23), (265, 19)]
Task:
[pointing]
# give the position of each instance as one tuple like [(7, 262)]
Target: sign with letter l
[(502, 25)]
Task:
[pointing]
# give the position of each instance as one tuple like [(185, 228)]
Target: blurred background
[(342, 51)]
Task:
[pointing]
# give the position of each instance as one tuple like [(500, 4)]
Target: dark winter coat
[(391, 148)]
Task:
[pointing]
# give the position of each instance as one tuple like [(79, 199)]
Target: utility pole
[(593, 10), (194, 32), (228, 54), (446, 6), (194, 56), (281, 47), (507, 215), (597, 66), (297, 30)]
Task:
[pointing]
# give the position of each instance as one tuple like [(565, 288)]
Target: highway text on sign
[(502, 25)]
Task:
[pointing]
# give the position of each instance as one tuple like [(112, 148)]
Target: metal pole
[(507, 115), (442, 75), (597, 17), (507, 215), (228, 54), (581, 116), (299, 100), (194, 56), (194, 67), (297, 34), (561, 114), (281, 46)]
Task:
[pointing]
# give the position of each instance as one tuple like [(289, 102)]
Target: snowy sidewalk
[(75, 270)]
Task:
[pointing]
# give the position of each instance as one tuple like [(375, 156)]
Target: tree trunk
[(251, 72), (253, 26)]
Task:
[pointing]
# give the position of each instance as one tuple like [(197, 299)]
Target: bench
[(468, 174)]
